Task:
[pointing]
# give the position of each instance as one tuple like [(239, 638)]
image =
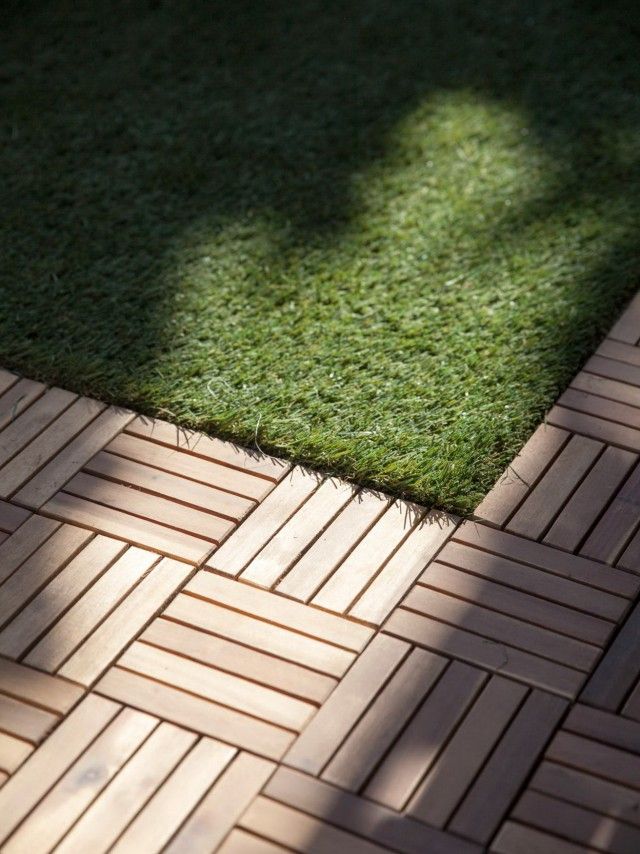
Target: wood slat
[(234, 658), (90, 610), (223, 805), (23, 720), (284, 549), (190, 466), (17, 398), (623, 352), (12, 516), (33, 421), (619, 669), (551, 560), (276, 609), (627, 326), (381, 724), (604, 726), (617, 524), (264, 522), (514, 838), (174, 801), (45, 449), (315, 746), (162, 483), (368, 557), (330, 549), (620, 370), (24, 542), (596, 428), (258, 634), (195, 713), (196, 443), (415, 751), (522, 474), (56, 695), (595, 758), (7, 379), (555, 487), (488, 799), (390, 585), (139, 532), (13, 751), (607, 388)]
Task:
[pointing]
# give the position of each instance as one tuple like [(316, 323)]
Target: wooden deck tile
[(585, 793)]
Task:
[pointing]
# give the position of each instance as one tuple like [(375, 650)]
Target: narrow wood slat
[(54, 694), (614, 369), (618, 523), (139, 532), (23, 720), (195, 713), (390, 585), (415, 751), (315, 746), (438, 795), (61, 593), (111, 636), (35, 458), (317, 564), (626, 328), (551, 493), (590, 499), (580, 825), (563, 590), (488, 799), (604, 726), (522, 475), (608, 410), (234, 658), (17, 398), (241, 842), (165, 812), (12, 516), (359, 815), (284, 549), (380, 725), (601, 760), (72, 794), (33, 421), (632, 705), (587, 791), (514, 838), (190, 466), (216, 685), (50, 761), (162, 483), (607, 388), (270, 515), (555, 562), (497, 657), (596, 428), (206, 526), (7, 379), (205, 446), (619, 669), (223, 805), (258, 634), (38, 570), (24, 542), (623, 352), (103, 821), (13, 751), (89, 611), (298, 831), (500, 627), (630, 558), (276, 609), (524, 606), (368, 557)]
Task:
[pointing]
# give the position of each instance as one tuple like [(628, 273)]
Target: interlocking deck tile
[(71, 601), (241, 664), (585, 793), (506, 604)]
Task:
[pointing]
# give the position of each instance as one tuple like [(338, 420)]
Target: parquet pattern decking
[(206, 649)]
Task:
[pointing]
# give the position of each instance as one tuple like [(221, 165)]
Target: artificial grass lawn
[(377, 237)]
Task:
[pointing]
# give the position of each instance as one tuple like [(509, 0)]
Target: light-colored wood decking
[(203, 648)]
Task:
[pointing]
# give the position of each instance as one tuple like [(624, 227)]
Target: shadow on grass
[(134, 132)]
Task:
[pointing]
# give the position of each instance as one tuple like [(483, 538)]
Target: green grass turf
[(377, 237)]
